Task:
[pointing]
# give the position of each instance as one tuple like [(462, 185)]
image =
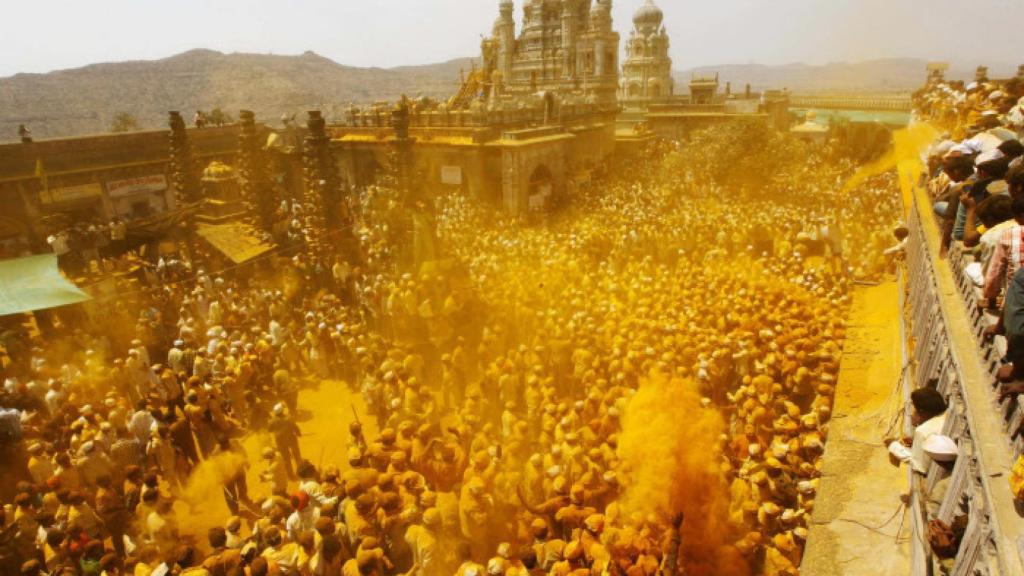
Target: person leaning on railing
[(986, 221), (943, 538), (996, 214), (1007, 256), (928, 418), (958, 167), (1013, 326), (989, 169), (996, 175)]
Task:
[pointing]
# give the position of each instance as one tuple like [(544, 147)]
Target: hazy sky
[(43, 35)]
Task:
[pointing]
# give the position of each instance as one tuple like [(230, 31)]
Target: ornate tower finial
[(647, 72)]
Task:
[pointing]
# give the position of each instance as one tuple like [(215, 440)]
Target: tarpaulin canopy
[(35, 283), (234, 240)]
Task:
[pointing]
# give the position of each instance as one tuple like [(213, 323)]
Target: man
[(82, 519), (958, 168), (236, 489), (160, 453), (1012, 324), (304, 516), (275, 475), (60, 245), (928, 418), (126, 450), (40, 467), (196, 414), (118, 233), (286, 438), (93, 463), (284, 555), (142, 421), (995, 214), (309, 483), (110, 507), (1006, 258), (423, 541), (176, 356), (990, 168), (1015, 178), (26, 525), (943, 451), (161, 525)]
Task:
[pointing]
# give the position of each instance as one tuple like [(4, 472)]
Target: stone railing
[(945, 329), (893, 103)]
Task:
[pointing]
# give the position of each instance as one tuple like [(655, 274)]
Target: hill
[(85, 100)]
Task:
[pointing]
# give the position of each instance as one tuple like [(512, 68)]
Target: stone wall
[(75, 176)]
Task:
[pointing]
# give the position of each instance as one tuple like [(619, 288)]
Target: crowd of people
[(975, 177), (642, 385), (89, 248)]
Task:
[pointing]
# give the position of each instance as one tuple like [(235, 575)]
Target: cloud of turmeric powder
[(908, 144), (669, 455), (201, 505)]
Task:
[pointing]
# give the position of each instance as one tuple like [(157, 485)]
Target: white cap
[(993, 154), (941, 448)]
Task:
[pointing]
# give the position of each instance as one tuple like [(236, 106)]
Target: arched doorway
[(541, 188)]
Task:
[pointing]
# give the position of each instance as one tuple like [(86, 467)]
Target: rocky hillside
[(86, 100)]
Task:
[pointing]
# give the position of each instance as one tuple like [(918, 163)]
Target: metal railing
[(939, 361)]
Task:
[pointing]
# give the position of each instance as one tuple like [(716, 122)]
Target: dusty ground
[(858, 523), (325, 412)]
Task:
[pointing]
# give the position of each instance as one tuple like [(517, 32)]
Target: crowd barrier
[(943, 343)]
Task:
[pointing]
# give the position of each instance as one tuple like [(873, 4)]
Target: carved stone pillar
[(183, 172), (257, 193), (323, 194)]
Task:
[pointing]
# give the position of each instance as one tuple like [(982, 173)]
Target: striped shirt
[(1006, 259)]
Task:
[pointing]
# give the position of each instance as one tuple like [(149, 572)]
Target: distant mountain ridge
[(86, 100), (875, 76)]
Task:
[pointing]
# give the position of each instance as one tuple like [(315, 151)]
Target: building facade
[(647, 72), (49, 184), (564, 46)]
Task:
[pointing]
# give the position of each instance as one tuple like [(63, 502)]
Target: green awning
[(35, 283)]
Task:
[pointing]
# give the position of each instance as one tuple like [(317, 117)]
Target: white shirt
[(990, 239), (301, 521), (915, 456), (175, 360), (142, 424)]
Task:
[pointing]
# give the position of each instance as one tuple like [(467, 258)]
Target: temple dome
[(648, 15)]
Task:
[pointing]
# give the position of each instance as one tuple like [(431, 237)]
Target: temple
[(564, 46), (647, 72)]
